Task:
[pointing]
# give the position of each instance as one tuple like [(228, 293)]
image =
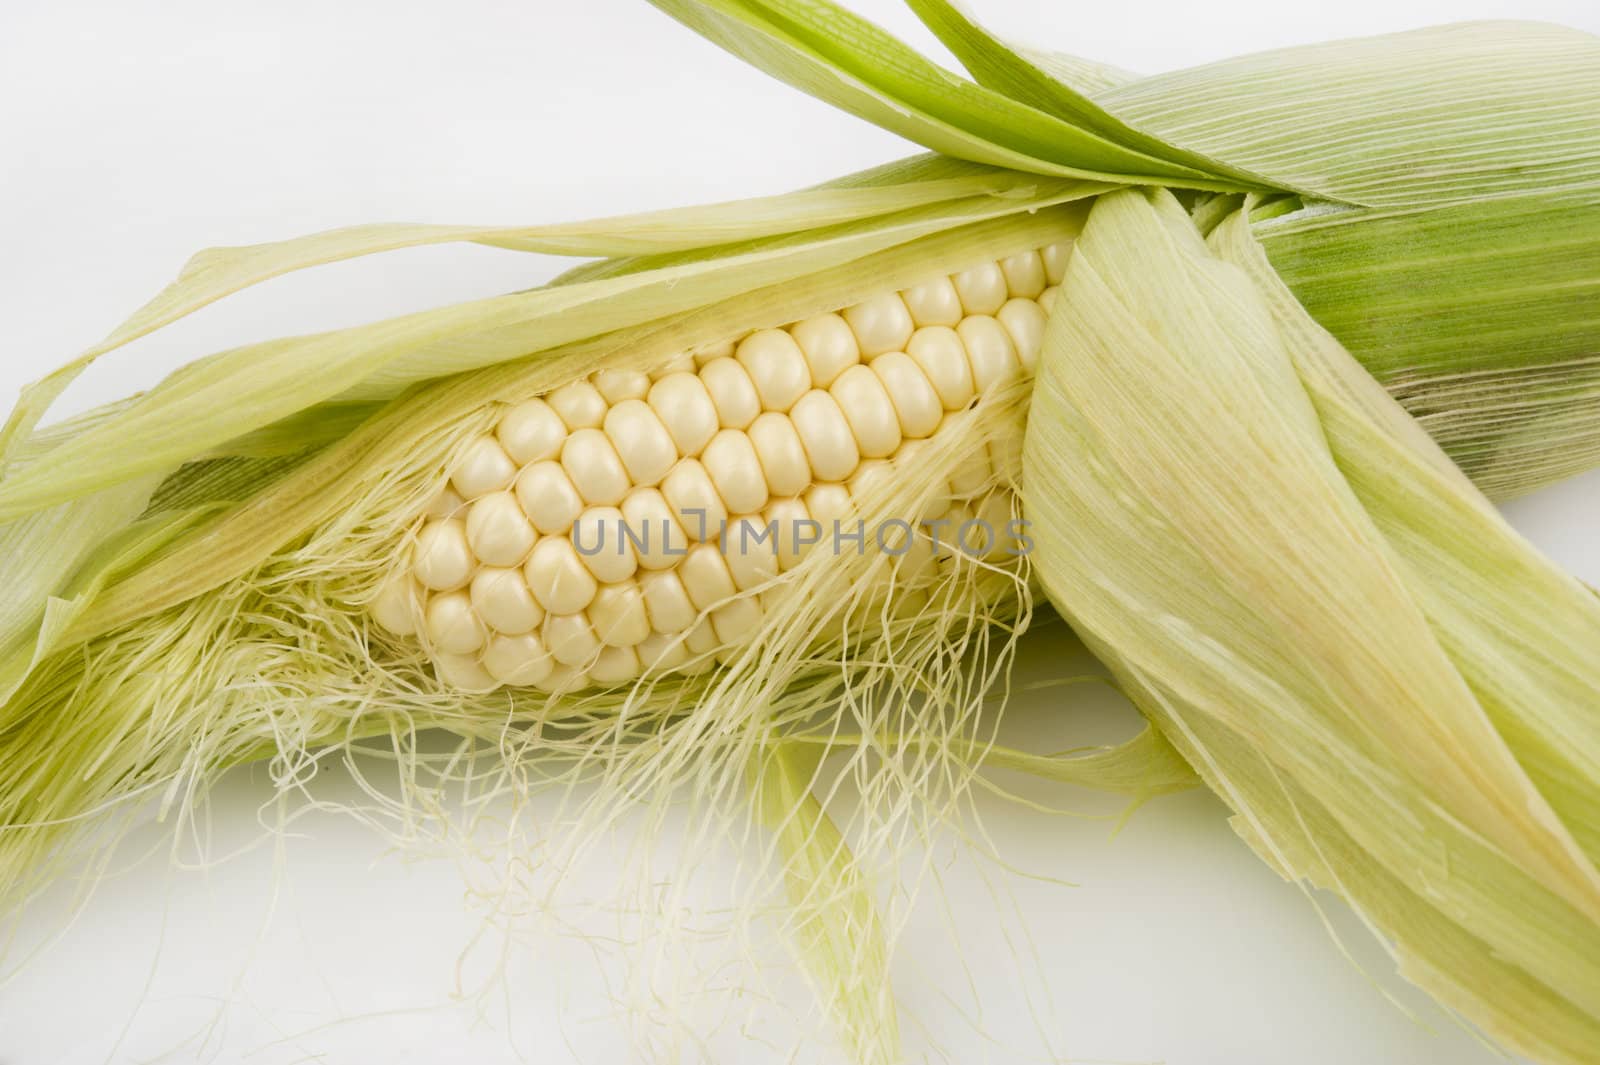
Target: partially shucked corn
[(627, 521), (1391, 690)]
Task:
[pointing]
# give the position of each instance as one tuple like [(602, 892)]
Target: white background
[(135, 134)]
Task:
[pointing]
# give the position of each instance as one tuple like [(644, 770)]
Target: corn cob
[(611, 525)]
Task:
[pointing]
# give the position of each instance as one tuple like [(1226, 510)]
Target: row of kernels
[(773, 379), (498, 617)]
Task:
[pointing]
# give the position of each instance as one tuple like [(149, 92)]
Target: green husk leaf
[(1524, 634), (246, 534), (1020, 75), (39, 556), (844, 60), (1482, 318), (1081, 75), (833, 921), (1143, 767), (1339, 633), (1427, 117), (219, 398), (216, 273)]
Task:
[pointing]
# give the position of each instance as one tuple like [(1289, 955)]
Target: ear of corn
[(202, 575), (1422, 740)]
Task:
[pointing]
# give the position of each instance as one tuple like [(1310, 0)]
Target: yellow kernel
[(911, 460), (1023, 320), (830, 445), (667, 602), (557, 577), (731, 461), (442, 559), (1024, 275), (642, 442), (531, 431), (595, 467), (916, 403), (871, 482), (447, 504), (502, 599), (498, 531), (867, 408), (484, 468), (397, 605), (453, 626), (737, 622), (934, 302), (752, 552), (990, 352), (693, 498), (1055, 258), (702, 639), (794, 530), (972, 473), (463, 673), (618, 385), (684, 406), (828, 345), (571, 639), (563, 679), (580, 405), (521, 661), (548, 497), (782, 455), (657, 536), (880, 324), (604, 543), (732, 392), (618, 614), (614, 665), (828, 503), (945, 531), (938, 351), (982, 288), (661, 653), (705, 576), (776, 367)]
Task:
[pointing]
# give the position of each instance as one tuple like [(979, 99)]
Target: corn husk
[(1442, 209), (1392, 689)]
